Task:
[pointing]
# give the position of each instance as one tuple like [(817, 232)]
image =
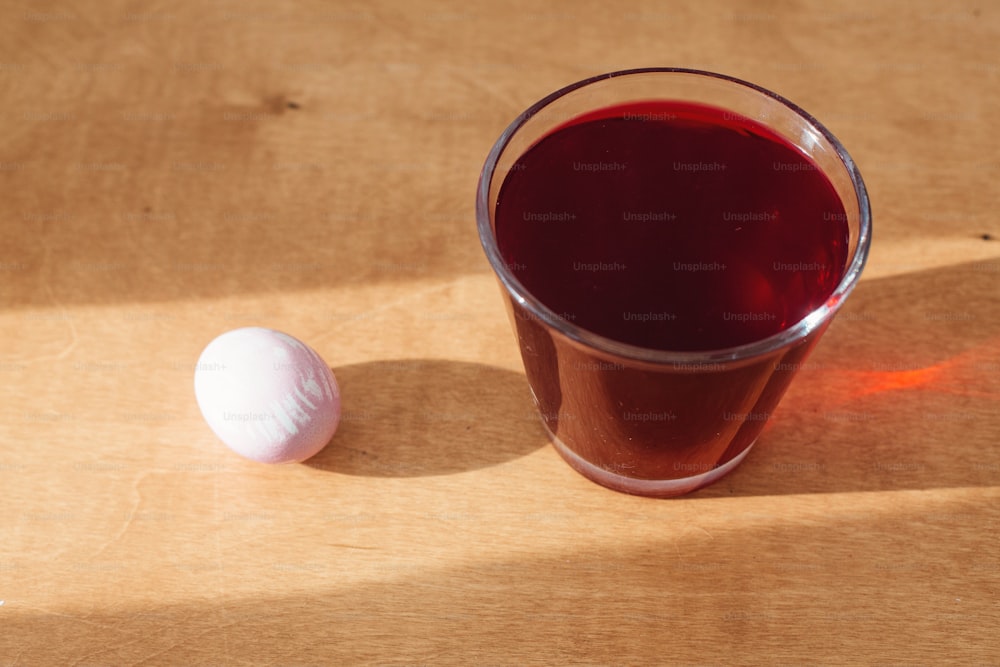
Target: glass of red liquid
[(671, 244)]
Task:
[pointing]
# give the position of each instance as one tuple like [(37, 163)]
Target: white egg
[(267, 395)]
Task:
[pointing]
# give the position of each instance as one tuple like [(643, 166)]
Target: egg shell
[(267, 395)]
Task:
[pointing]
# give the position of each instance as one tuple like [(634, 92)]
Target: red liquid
[(670, 226), (674, 227)]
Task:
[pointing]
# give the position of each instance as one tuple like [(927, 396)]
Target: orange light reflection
[(972, 373)]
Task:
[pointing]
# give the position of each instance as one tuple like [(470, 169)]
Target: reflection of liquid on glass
[(652, 423), (968, 374), (541, 365)]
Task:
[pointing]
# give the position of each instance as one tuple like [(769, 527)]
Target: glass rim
[(610, 346)]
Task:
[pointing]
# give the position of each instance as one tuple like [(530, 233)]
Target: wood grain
[(171, 170)]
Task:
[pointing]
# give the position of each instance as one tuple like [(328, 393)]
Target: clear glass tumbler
[(647, 421)]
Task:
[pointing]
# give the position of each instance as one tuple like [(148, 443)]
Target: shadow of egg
[(420, 417)]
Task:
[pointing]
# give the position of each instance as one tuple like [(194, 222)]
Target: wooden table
[(172, 170)]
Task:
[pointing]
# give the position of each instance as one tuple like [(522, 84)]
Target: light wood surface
[(172, 170)]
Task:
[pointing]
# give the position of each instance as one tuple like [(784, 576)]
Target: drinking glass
[(647, 421)]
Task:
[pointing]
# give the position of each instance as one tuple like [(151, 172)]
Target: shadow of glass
[(903, 392), (417, 417)]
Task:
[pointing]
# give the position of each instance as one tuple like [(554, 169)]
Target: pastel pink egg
[(267, 395)]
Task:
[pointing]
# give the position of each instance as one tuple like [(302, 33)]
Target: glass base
[(655, 488)]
